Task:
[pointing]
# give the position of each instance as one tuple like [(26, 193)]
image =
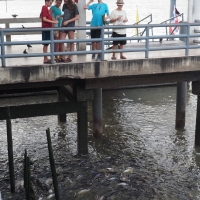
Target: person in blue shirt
[(56, 14), (99, 11)]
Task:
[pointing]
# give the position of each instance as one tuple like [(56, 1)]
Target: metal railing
[(142, 32), (168, 21), (145, 49)]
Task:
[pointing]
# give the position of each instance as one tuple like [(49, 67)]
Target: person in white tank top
[(118, 17)]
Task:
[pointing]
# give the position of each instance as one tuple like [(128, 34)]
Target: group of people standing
[(55, 17)]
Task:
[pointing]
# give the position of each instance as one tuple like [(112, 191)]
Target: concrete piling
[(181, 104), (196, 91), (97, 113), (61, 98), (83, 129)]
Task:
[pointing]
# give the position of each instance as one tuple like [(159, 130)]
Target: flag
[(136, 20), (174, 30)]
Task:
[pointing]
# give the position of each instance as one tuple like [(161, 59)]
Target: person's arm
[(71, 20), (126, 19), (86, 6), (107, 13), (115, 19), (50, 21), (51, 12)]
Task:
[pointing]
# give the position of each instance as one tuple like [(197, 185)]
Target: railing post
[(187, 41), (102, 43), (52, 46), (8, 37), (147, 43), (3, 61)]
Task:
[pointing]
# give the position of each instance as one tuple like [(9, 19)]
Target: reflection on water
[(139, 133)]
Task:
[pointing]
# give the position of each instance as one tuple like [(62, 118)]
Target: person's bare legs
[(98, 47), (62, 46), (71, 47), (114, 47), (45, 48), (121, 53)]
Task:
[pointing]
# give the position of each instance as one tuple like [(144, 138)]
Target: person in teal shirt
[(99, 10), (56, 14)]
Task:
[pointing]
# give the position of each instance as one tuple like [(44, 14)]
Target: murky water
[(139, 133), (141, 155)]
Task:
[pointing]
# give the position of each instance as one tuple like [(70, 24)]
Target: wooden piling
[(30, 193), (83, 130), (52, 163), (10, 151), (26, 175)]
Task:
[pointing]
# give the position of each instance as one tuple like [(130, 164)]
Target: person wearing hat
[(99, 10), (118, 17)]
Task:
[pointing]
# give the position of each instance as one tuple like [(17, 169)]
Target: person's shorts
[(95, 33), (66, 31), (45, 36), (121, 42)]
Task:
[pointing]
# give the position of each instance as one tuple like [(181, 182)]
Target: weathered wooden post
[(52, 164), (10, 151), (26, 175), (97, 113), (83, 129), (30, 194), (181, 104), (196, 91), (61, 98)]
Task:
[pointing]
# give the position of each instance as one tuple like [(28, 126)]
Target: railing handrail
[(145, 49), (170, 19)]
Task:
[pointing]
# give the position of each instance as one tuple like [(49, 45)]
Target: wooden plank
[(24, 111)]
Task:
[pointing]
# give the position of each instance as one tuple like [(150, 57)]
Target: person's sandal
[(60, 60), (68, 60), (113, 58), (123, 57)]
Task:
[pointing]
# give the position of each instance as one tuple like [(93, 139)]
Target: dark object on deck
[(10, 151), (23, 26), (160, 40), (14, 15), (25, 51), (29, 46), (52, 163), (118, 47)]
